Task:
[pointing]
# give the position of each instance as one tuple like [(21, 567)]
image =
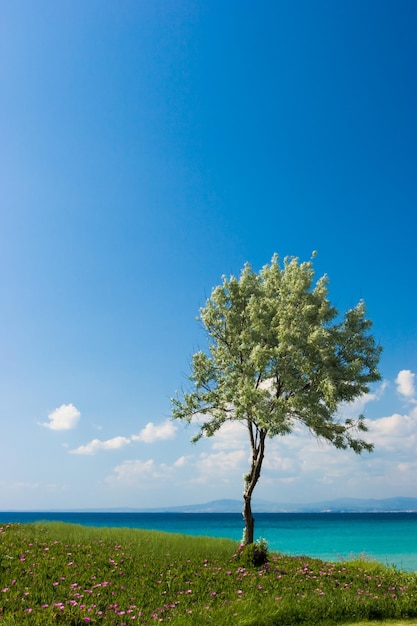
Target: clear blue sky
[(146, 149)]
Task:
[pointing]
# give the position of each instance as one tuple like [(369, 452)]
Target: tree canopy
[(279, 354)]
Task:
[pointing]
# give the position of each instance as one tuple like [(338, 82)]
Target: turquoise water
[(390, 538)]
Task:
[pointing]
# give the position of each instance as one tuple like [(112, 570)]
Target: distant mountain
[(214, 506), (341, 505)]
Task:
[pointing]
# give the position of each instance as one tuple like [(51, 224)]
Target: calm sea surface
[(388, 537)]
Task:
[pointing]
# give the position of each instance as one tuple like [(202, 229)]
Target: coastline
[(390, 538)]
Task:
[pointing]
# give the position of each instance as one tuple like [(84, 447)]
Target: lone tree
[(279, 355)]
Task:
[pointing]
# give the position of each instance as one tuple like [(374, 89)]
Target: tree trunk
[(257, 439), (248, 536)]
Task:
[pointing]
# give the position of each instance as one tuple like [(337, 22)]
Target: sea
[(390, 538)]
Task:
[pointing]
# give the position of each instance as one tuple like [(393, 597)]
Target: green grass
[(54, 573)]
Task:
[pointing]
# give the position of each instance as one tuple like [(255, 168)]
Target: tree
[(279, 354)]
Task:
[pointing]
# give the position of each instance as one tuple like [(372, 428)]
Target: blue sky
[(147, 148)]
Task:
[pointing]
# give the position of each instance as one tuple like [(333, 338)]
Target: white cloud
[(132, 471), (395, 433), (353, 409), (149, 434), (405, 383), (142, 475), (24, 485), (230, 436), (275, 460), (311, 466), (96, 444), (409, 467), (64, 417), (210, 469), (153, 432), (296, 467), (220, 467), (314, 467)]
